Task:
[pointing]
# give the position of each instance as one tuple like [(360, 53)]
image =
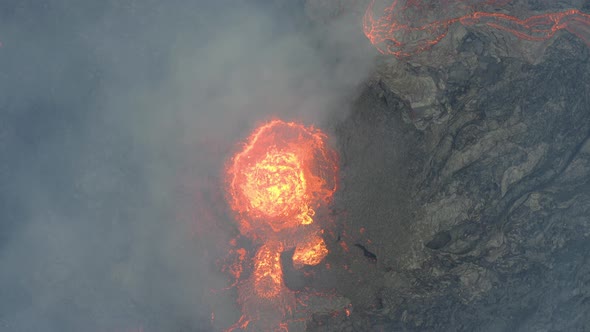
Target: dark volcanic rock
[(479, 211)]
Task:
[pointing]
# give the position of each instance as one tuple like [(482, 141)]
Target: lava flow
[(404, 30), (275, 184)]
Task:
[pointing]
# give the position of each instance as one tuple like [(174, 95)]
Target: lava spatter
[(311, 251)]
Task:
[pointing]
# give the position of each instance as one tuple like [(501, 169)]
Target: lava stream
[(268, 274), (403, 31)]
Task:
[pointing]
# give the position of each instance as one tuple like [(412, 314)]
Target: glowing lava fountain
[(404, 29), (283, 174)]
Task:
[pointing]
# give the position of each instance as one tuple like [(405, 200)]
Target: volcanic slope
[(473, 195)]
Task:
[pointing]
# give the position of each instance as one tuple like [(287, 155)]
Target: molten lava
[(310, 252), (402, 30), (275, 184), (284, 173), (268, 274)]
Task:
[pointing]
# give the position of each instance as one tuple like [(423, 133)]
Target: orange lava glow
[(402, 30), (283, 174), (310, 252)]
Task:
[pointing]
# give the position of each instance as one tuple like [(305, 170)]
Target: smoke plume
[(116, 119)]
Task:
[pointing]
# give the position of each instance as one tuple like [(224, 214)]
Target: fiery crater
[(283, 174)]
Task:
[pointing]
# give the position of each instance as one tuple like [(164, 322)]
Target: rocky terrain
[(469, 183)]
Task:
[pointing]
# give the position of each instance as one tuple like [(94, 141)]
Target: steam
[(117, 117)]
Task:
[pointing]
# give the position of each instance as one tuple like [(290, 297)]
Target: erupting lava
[(276, 183), (403, 31)]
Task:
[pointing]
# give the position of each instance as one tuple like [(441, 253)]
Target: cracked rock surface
[(470, 184)]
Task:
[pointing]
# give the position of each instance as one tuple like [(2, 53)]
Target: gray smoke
[(115, 121)]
